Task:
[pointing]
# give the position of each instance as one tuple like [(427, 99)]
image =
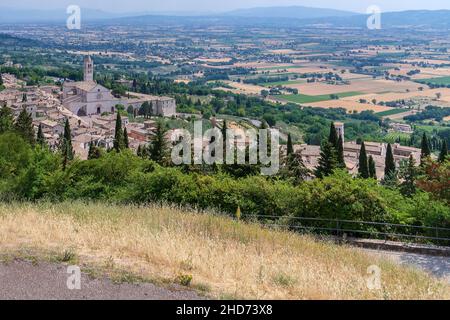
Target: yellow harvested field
[(261, 65), (386, 97), (350, 106), (435, 73), (365, 85), (400, 116), (246, 88), (213, 60), (353, 76), (283, 51), (182, 81)]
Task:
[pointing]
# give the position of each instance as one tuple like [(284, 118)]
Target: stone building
[(88, 97)]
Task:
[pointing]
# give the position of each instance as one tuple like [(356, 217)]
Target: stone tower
[(339, 129), (88, 69)]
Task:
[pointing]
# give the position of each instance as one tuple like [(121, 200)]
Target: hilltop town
[(89, 107)]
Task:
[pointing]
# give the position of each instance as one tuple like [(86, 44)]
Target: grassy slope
[(226, 258)]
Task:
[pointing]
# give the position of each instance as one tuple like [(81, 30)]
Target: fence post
[(338, 229)]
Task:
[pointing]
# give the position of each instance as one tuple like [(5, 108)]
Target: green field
[(303, 98), (431, 128), (392, 137), (391, 112), (436, 81)]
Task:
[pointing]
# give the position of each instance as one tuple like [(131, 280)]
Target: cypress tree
[(126, 143), (327, 161), (390, 162), (91, 150), (66, 145), (94, 151), (333, 138), (363, 168), (118, 134), (295, 168), (426, 152), (6, 120), (444, 152), (224, 138), (139, 151), (24, 127), (290, 147), (340, 154), (372, 168), (158, 147), (40, 136)]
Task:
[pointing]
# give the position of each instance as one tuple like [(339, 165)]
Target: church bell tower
[(88, 69)]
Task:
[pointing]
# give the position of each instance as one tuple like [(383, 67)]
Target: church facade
[(87, 97)]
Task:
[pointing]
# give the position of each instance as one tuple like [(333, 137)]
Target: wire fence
[(359, 229)]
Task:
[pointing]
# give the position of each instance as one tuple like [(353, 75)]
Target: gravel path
[(25, 280), (435, 265)]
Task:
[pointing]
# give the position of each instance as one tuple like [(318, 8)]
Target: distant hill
[(268, 16), (294, 12), (10, 15), (435, 19)]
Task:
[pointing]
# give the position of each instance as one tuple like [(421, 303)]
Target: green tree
[(6, 120), (333, 137), (444, 152), (295, 169), (65, 145), (224, 138), (40, 137), (146, 110), (340, 154), (363, 168), (126, 142), (408, 173), (389, 165), (24, 127), (158, 146), (118, 134), (327, 160), (390, 171), (94, 151), (290, 147), (425, 146), (372, 168)]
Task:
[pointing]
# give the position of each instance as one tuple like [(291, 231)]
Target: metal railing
[(339, 227)]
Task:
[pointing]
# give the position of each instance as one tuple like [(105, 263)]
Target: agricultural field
[(350, 106), (302, 98), (282, 83), (391, 112), (436, 81)]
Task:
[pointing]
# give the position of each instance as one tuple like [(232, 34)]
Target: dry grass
[(231, 259)]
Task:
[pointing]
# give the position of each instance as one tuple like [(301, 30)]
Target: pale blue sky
[(220, 5)]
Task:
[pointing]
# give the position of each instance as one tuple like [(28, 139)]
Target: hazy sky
[(221, 5)]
